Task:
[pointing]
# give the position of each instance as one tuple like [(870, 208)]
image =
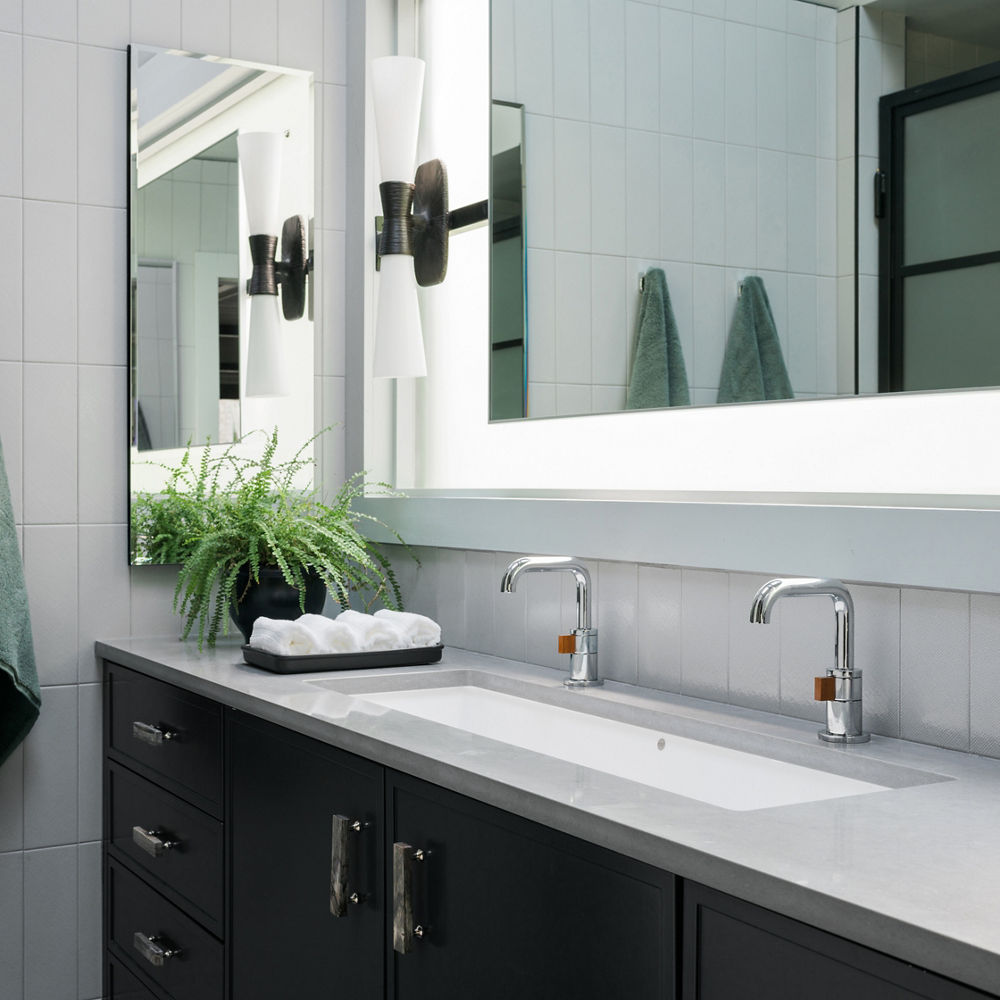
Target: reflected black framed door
[(939, 243)]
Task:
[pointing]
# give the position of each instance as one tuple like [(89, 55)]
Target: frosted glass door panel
[(952, 329), (950, 176)]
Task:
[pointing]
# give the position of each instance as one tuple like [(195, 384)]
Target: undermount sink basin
[(719, 775)]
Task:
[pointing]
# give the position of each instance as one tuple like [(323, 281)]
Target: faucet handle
[(567, 643), (826, 688)]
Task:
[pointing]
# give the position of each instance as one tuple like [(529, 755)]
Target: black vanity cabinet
[(244, 861), (491, 906), (307, 883), (733, 948)]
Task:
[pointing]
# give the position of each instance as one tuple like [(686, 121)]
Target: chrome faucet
[(841, 687), (581, 643)]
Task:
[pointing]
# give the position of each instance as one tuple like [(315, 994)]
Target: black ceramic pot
[(273, 598)]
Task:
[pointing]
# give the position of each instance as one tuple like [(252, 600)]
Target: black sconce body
[(289, 272)]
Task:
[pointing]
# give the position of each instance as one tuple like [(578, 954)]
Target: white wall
[(63, 268)]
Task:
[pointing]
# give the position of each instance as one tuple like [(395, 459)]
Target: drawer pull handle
[(344, 864), (154, 842), (154, 950), (404, 929), (155, 736)]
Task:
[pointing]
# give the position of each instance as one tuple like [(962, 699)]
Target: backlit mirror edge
[(909, 542)]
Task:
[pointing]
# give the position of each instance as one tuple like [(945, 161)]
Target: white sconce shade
[(397, 88), (399, 342), (260, 164), (267, 373)]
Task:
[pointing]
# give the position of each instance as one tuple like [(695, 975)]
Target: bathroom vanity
[(279, 835)]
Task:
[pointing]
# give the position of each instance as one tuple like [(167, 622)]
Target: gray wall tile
[(480, 586), (90, 751), (934, 668), (89, 970), (50, 572), (985, 675), (102, 177), (876, 655), (808, 629), (754, 650), (658, 628), (11, 271), (50, 915), (11, 803), (102, 483), (547, 617), (509, 613), (705, 634), (50, 771), (12, 938), (104, 592), (101, 290), (617, 599), (50, 458)]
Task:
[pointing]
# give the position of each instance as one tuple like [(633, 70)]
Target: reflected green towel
[(20, 698), (753, 367), (658, 377)]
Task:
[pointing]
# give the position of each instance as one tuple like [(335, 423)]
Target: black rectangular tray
[(414, 656)]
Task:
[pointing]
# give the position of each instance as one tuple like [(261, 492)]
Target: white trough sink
[(732, 779)]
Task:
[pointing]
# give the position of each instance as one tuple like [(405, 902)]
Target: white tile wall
[(928, 657), (63, 410), (691, 112)]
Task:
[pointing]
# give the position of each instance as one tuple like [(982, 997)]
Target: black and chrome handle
[(155, 950), (405, 930), (154, 735), (154, 842), (344, 864)]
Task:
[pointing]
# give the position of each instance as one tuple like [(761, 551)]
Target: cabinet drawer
[(175, 735), (171, 840), (122, 985), (195, 969)]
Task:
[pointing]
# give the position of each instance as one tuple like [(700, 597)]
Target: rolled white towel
[(421, 630), (282, 638), (331, 636), (374, 633)]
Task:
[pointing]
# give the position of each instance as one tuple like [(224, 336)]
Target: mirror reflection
[(190, 257), (699, 148)]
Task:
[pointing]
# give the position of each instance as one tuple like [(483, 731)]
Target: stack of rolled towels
[(349, 632)]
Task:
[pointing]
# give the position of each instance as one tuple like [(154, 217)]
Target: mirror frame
[(920, 540)]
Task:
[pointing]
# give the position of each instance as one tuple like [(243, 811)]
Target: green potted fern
[(250, 542)]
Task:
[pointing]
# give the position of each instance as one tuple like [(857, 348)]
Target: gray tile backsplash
[(929, 657)]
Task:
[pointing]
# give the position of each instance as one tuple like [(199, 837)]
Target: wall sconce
[(412, 243), (260, 165)]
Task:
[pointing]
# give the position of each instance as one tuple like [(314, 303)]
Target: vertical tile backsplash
[(63, 408), (928, 657)]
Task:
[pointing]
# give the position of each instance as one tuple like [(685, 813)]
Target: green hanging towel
[(659, 377), (20, 697), (753, 367)]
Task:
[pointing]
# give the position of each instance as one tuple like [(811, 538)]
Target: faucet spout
[(553, 564), (582, 643), (841, 688)]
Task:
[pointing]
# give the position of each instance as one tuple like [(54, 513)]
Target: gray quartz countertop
[(913, 871)]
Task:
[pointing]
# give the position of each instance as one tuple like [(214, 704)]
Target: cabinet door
[(293, 802), (507, 908), (729, 944)]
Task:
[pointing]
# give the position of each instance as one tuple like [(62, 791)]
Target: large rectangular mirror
[(713, 143), (191, 258)]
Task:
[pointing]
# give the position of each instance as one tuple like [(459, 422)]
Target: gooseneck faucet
[(581, 643), (841, 687)]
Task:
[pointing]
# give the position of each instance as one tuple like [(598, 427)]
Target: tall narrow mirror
[(191, 258)]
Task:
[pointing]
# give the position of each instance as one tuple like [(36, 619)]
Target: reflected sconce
[(412, 242), (271, 278)]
